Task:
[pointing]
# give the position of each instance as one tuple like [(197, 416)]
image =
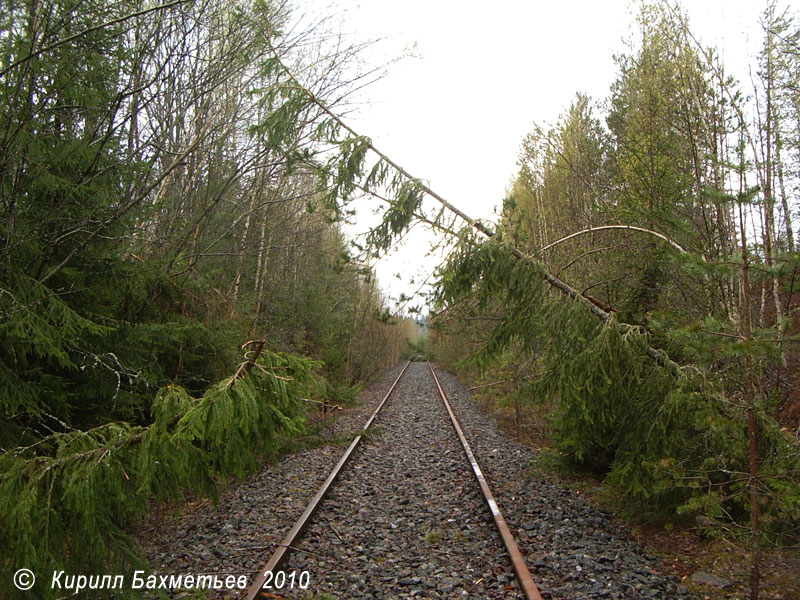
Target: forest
[(636, 308), (179, 299)]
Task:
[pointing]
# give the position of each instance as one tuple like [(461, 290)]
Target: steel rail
[(523, 574), (280, 553)]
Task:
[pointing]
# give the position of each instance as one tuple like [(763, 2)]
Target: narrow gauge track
[(497, 563)]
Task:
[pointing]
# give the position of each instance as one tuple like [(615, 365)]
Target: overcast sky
[(480, 74)]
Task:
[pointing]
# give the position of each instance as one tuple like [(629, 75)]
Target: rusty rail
[(521, 570), (523, 575), (289, 541)]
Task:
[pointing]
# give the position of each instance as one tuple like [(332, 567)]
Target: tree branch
[(88, 30), (593, 307), (606, 227)]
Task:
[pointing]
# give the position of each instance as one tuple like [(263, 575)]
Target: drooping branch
[(594, 306), (478, 225), (606, 227)]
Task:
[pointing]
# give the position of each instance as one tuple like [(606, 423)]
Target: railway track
[(406, 518), (278, 576)]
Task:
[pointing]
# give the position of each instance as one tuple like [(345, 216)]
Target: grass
[(432, 537)]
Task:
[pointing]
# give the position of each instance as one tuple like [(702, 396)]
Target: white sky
[(482, 73)]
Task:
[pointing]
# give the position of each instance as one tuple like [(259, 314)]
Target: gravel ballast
[(406, 518)]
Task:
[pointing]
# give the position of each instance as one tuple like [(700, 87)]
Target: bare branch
[(80, 34), (606, 227)]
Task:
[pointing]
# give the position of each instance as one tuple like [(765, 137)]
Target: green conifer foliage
[(672, 393), (157, 208), (664, 433), (65, 501)]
